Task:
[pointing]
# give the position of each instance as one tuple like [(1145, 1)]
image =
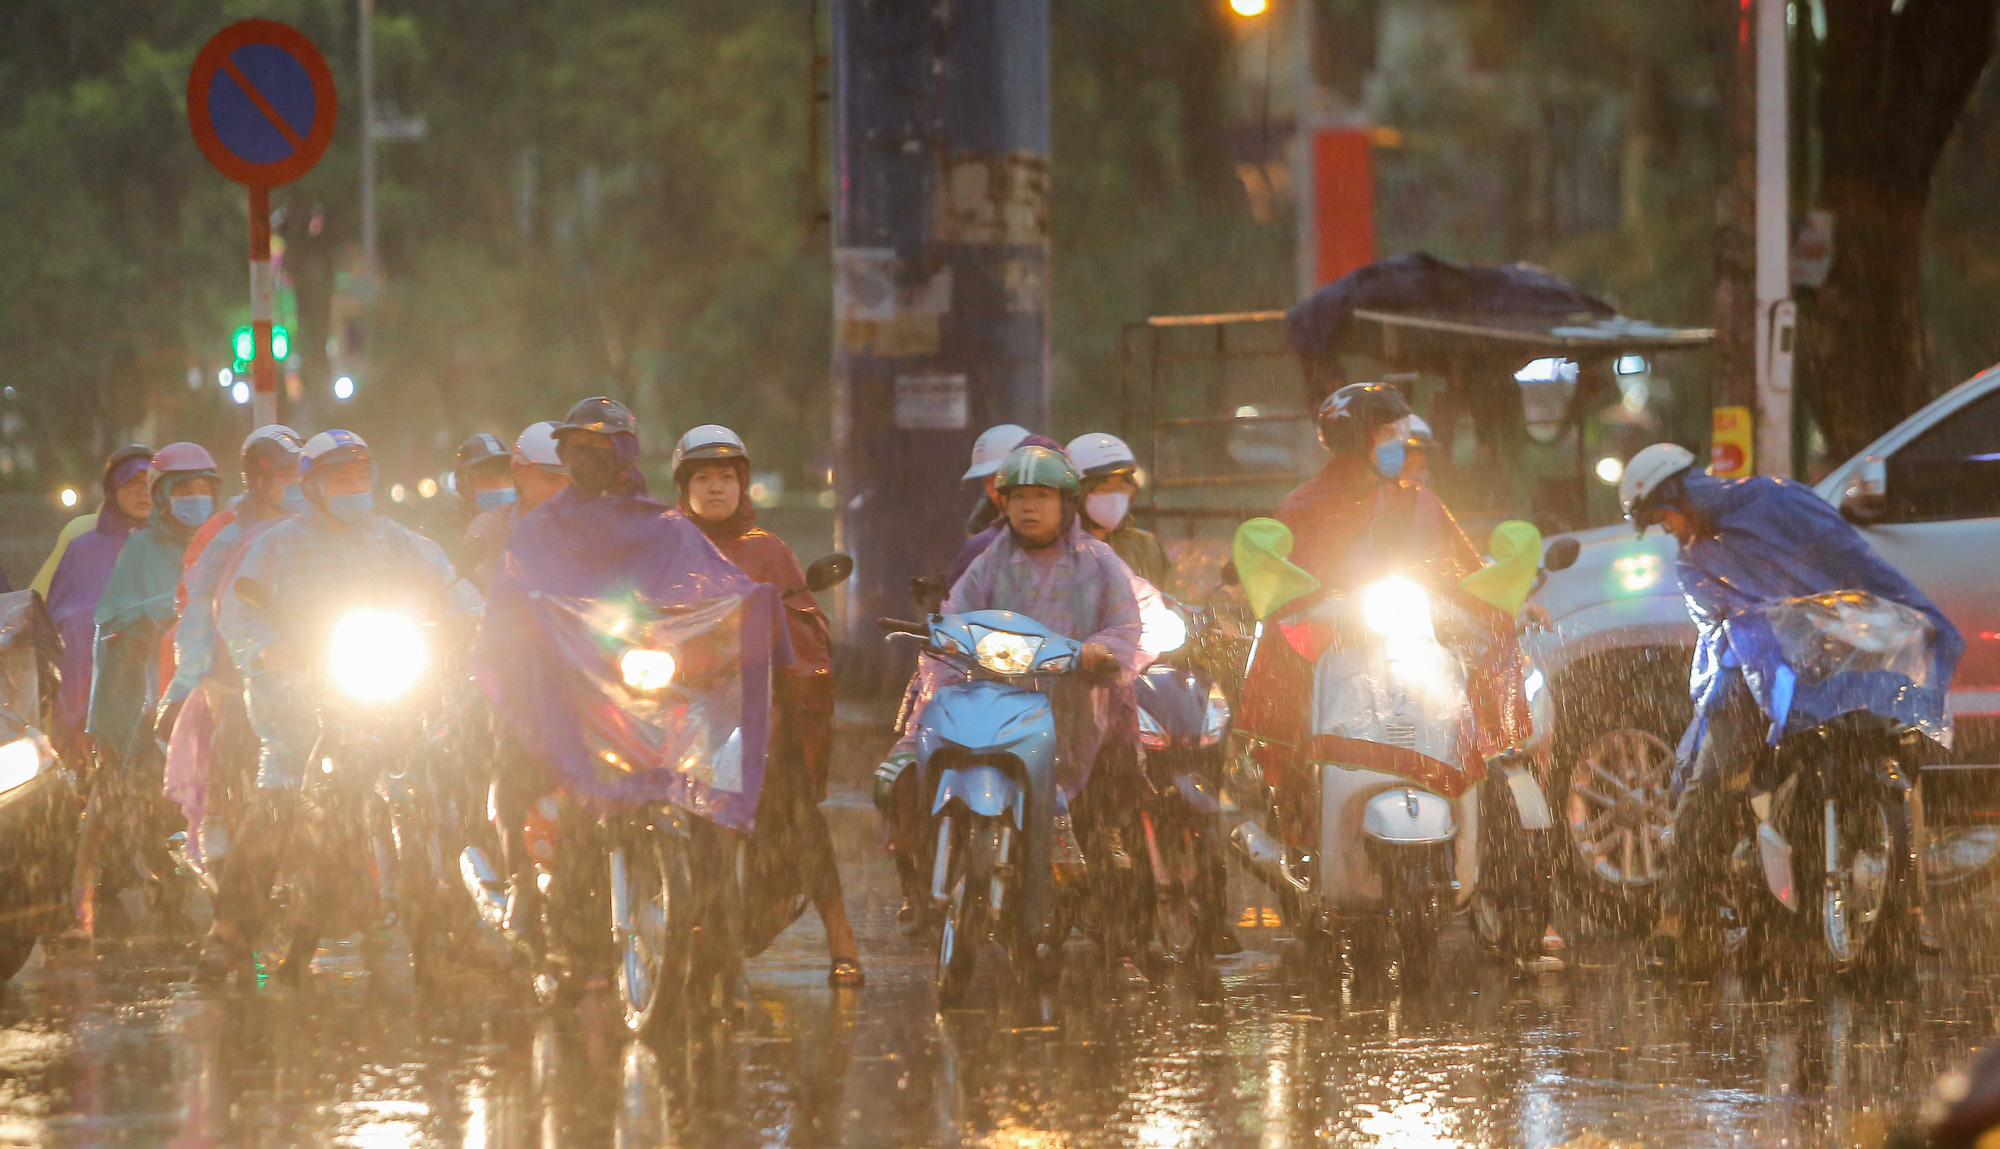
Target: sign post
[(261, 105)]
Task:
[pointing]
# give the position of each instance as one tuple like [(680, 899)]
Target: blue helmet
[(331, 447)]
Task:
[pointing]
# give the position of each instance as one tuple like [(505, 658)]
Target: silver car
[(1610, 676)]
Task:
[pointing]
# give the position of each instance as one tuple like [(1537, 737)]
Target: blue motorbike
[(986, 756)]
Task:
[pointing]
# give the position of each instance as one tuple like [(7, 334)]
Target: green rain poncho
[(134, 613)]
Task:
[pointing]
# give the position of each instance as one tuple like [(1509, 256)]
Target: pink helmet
[(181, 458)]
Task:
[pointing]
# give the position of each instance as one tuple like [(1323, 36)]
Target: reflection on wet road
[(116, 1051)]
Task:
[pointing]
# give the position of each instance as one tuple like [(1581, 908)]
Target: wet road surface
[(112, 1049)]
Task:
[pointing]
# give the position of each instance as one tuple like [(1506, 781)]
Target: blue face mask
[(350, 509), (193, 510), (295, 499), (494, 499), (1389, 459)]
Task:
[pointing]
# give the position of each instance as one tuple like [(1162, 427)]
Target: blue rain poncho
[(1762, 580)]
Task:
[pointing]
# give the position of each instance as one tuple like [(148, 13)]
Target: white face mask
[(1107, 510)]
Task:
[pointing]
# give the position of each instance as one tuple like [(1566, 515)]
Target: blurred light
[(1635, 393), (1610, 469), (281, 344), (1246, 411), (1248, 7), (1532, 685), (343, 388), (194, 378), (1636, 572), (826, 499), (760, 494), (244, 344), (225, 377), (1547, 371), (68, 496), (428, 487), (397, 494), (1631, 364), (241, 393)]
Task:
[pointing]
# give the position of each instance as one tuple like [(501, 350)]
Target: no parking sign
[(260, 101)]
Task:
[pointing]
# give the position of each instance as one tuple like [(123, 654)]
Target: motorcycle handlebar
[(899, 626)]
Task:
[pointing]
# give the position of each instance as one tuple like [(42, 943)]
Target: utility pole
[(1736, 311), (368, 269), (1777, 315), (940, 270)]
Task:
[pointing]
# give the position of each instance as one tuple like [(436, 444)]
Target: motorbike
[(1184, 724), (1826, 857), (686, 900), (39, 795), (379, 818), (986, 756), (1406, 829)]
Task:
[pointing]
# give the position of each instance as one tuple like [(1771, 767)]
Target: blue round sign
[(261, 103)]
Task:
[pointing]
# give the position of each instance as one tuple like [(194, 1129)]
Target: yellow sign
[(1729, 453)]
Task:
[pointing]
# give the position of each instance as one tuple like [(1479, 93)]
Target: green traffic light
[(244, 343), (281, 344)]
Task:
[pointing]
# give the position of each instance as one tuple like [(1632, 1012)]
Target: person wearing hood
[(1358, 518), (1044, 564), (712, 474), (303, 562), (538, 475), (77, 581), (1110, 481), (133, 613), (1744, 544)]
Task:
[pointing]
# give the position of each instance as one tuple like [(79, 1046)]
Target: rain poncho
[(136, 608), (585, 579), (1772, 540), (1075, 587), (74, 588), (311, 562)]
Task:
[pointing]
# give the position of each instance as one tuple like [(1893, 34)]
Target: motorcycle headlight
[(1216, 719), (646, 670), (1151, 735), (1162, 630), (1397, 609), (20, 761), (1004, 653), (376, 655)]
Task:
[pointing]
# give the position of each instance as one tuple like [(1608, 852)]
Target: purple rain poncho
[(74, 592), (582, 580)]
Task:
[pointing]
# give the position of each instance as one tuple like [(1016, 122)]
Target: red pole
[(263, 367)]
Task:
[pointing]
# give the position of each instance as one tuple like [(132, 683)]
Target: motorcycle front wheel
[(1867, 886), (652, 897), (968, 854)]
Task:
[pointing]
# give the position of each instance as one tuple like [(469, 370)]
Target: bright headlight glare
[(1004, 653), (376, 655), (646, 670), (1162, 630), (20, 761), (1397, 609)]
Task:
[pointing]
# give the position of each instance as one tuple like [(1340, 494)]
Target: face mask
[(1389, 459), (350, 509), (295, 500), (193, 510), (1108, 510), (494, 499)]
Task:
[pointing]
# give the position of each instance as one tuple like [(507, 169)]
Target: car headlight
[(1151, 735), (20, 761), (1162, 630), (1004, 653), (1216, 719), (646, 670), (376, 655), (1397, 609)]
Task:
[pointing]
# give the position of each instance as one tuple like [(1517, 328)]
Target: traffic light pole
[(264, 366)]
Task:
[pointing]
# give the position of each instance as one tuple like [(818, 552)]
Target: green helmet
[(1038, 467)]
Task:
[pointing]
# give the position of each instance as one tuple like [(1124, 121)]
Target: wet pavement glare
[(113, 1049)]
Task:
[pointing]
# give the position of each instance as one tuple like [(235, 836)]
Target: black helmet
[(481, 448), (1349, 416), (271, 456), (599, 414)]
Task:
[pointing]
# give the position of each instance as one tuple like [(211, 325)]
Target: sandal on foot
[(846, 974)]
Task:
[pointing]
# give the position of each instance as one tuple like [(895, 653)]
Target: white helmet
[(276, 431), (537, 446), (706, 442), (992, 446), (1645, 472), (1098, 454)]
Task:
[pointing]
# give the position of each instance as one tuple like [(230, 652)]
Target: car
[(1609, 676)]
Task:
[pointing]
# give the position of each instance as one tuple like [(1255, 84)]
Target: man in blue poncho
[(1744, 545), (565, 718)]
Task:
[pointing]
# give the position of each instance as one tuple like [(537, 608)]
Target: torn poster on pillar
[(1001, 199), (931, 403), (877, 311)]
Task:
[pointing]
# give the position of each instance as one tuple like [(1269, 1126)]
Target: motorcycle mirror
[(253, 594), (829, 572), (928, 591), (1561, 554)]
